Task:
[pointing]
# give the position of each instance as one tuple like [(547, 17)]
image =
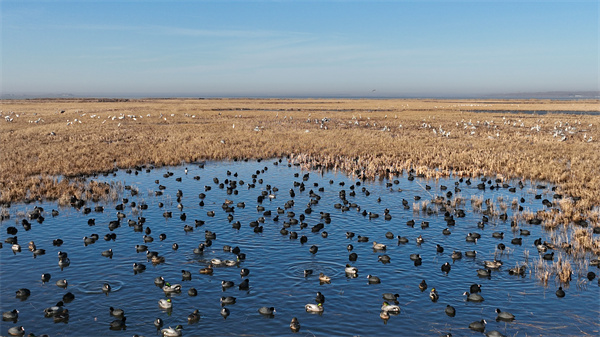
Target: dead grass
[(367, 138)]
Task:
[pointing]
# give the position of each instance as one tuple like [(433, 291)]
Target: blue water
[(277, 263)]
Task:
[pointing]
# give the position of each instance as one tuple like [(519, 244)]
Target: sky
[(298, 48)]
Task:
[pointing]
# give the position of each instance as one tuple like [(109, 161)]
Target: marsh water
[(277, 263)]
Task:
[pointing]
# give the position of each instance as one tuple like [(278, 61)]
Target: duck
[(450, 310), (324, 278), (23, 293), (244, 285), (64, 262), (116, 312), (390, 307), (478, 325), (446, 267), (194, 316), (295, 325), (439, 248), (138, 267), (227, 284), (106, 288), (470, 253), (155, 259), (493, 264), (159, 281), (518, 270), (216, 262), (207, 270), (244, 272), (504, 316), (420, 240), (379, 246), (384, 315), (560, 292), (186, 274), (494, 333), (415, 257), (314, 307), (171, 288), (446, 231), (350, 269), (473, 297), (433, 295), (268, 311), (12, 315), (62, 283), (158, 323), (373, 279), (108, 253), (46, 277), (118, 324), (384, 258), (402, 239), (165, 303), (423, 285), (456, 255), (68, 297), (172, 332), (225, 312)]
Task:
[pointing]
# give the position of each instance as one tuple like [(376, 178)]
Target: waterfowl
[(390, 307), (16, 248), (64, 262), (352, 256), (498, 235), (324, 278), (456, 255), (470, 253), (391, 297), (446, 231), (244, 272), (46, 277), (518, 270), (493, 264), (548, 256), (295, 325), (141, 248), (313, 249), (186, 274), (12, 315), (504, 316), (227, 300), (224, 312), (494, 333), (194, 316), (478, 325), (16, 331), (439, 248), (320, 298), (446, 267), (159, 281), (172, 332), (362, 239), (68, 297), (138, 267), (268, 311), (158, 323), (450, 311), (384, 315), (314, 307), (171, 288), (350, 269), (106, 288), (423, 285), (373, 279), (227, 284), (207, 270), (475, 288), (484, 272), (379, 246), (473, 297), (560, 292), (116, 312), (165, 303), (31, 244), (53, 310), (108, 253), (433, 295), (420, 240), (244, 285), (216, 262), (383, 258), (415, 257)]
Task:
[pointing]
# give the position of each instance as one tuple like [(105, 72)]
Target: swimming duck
[(390, 307), (227, 284), (216, 262), (171, 288), (227, 300), (350, 269), (433, 295), (138, 267), (314, 307), (108, 253), (194, 316), (159, 281), (172, 332), (186, 275), (494, 333), (224, 312), (106, 288), (62, 283), (379, 246), (446, 231), (244, 272), (269, 311), (446, 267), (384, 315), (402, 239), (320, 298), (158, 323), (23, 293), (53, 310), (475, 288), (46, 277), (420, 240), (473, 297), (155, 259), (165, 303), (324, 278), (456, 255), (493, 264), (470, 253), (560, 292), (484, 272), (384, 258), (207, 270), (504, 316), (295, 325), (423, 285), (391, 297)]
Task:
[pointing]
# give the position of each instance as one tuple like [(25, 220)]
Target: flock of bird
[(285, 220)]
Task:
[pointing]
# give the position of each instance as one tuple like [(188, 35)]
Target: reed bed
[(51, 146)]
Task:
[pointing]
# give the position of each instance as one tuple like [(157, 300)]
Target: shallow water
[(277, 263)]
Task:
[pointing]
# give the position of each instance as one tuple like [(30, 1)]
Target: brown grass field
[(44, 139)]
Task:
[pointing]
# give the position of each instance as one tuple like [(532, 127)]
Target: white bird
[(350, 269), (170, 332), (165, 304), (314, 307), (390, 307)]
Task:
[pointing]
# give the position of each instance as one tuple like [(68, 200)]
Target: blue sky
[(298, 48)]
